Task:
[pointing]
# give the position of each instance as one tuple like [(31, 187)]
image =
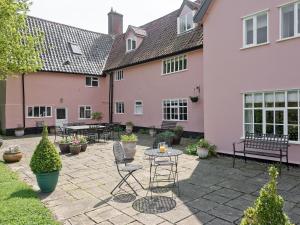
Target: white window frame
[(85, 118), (185, 16), (131, 40), (93, 79), (254, 17), (177, 99), (274, 108), (119, 113), (35, 117), (119, 75), (135, 107), (185, 56), (296, 30)]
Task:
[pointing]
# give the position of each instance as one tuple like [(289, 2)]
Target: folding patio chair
[(125, 170), (59, 132)]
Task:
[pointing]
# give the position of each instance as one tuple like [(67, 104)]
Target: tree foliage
[(20, 47), (268, 207)]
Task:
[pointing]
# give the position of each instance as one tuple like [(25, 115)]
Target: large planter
[(202, 153), (19, 132), (47, 181), (12, 157), (129, 149), (64, 148), (83, 147), (176, 140), (75, 149)]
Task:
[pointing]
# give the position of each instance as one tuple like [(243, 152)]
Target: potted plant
[(64, 145), (46, 164), (19, 131), (205, 149), (129, 127), (75, 146), (178, 134), (83, 142), (12, 155), (98, 116), (166, 136), (194, 99), (129, 145), (152, 131)]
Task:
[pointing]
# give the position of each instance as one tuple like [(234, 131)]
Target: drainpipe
[(23, 99), (111, 97)]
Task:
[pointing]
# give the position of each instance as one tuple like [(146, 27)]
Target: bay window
[(273, 113)]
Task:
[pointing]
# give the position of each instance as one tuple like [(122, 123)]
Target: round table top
[(169, 153)]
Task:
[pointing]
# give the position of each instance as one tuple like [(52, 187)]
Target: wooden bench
[(168, 125), (273, 146)]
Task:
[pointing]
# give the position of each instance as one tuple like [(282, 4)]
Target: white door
[(61, 117)]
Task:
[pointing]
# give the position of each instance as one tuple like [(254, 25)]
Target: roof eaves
[(202, 11)]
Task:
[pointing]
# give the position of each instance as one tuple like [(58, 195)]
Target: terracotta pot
[(202, 153), (19, 133), (176, 140), (129, 149), (75, 149), (64, 148), (12, 157), (83, 147)]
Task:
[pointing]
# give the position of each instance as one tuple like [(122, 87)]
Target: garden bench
[(273, 146), (168, 125)]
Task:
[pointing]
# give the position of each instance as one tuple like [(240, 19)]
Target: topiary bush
[(268, 207), (45, 158)]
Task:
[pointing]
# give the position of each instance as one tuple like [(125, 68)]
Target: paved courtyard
[(212, 192)]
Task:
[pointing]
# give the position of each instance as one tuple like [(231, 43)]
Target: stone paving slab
[(212, 192)]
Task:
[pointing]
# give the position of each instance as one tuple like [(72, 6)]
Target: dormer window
[(130, 44), (75, 48), (185, 22)]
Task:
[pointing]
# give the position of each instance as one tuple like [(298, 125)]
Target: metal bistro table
[(172, 155)]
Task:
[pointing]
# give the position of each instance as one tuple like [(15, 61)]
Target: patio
[(212, 192)]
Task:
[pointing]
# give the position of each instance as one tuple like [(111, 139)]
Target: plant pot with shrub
[(75, 147), (166, 136), (84, 143), (19, 132), (129, 145), (178, 135), (205, 149), (129, 127), (46, 164), (152, 131), (12, 155), (64, 145)]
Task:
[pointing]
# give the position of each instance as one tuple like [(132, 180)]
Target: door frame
[(66, 109)]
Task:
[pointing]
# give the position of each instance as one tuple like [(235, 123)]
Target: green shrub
[(143, 131), (45, 158), (129, 124), (97, 116), (192, 149), (129, 138), (178, 130), (202, 143), (166, 135), (268, 207)]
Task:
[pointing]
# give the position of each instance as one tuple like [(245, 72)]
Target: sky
[(92, 14)]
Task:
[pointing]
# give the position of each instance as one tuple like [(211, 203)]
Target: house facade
[(253, 69)]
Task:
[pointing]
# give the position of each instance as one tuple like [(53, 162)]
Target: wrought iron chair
[(59, 132), (124, 167)]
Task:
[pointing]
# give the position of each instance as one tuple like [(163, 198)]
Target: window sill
[(84, 118), (254, 46), (288, 38), (45, 117), (91, 86), (138, 114), (167, 74)]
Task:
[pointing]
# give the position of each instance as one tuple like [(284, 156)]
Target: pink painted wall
[(146, 83), (230, 71), (47, 89)]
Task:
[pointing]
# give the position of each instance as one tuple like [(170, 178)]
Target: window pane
[(292, 98), (258, 116), (88, 113), (172, 65), (258, 100), (248, 116), (270, 129), (133, 44), (287, 22), (279, 117), (48, 111), (81, 112), (293, 133), (176, 64), (258, 129), (95, 82), (190, 21), (180, 63), (248, 128), (279, 129), (184, 63), (168, 66), (249, 31), (269, 99), (88, 81), (182, 24), (61, 114), (36, 112), (293, 116), (42, 111), (269, 117), (279, 99), (248, 101), (30, 112), (262, 29), (299, 18), (165, 68)]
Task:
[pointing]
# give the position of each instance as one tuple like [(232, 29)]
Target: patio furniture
[(267, 145), (168, 125), (171, 156), (80, 128), (125, 170), (60, 133)]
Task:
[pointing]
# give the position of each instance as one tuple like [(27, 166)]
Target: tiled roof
[(161, 40), (59, 57)]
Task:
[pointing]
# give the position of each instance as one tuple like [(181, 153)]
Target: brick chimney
[(115, 23)]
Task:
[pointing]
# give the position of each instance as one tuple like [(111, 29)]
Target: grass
[(19, 204)]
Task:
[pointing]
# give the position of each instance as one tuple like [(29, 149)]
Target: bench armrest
[(234, 144)]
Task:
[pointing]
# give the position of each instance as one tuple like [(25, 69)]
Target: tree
[(268, 207), (20, 47)]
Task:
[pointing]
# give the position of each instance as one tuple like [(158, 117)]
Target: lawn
[(19, 204)]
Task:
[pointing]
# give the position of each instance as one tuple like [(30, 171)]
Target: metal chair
[(60, 133), (124, 167)]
